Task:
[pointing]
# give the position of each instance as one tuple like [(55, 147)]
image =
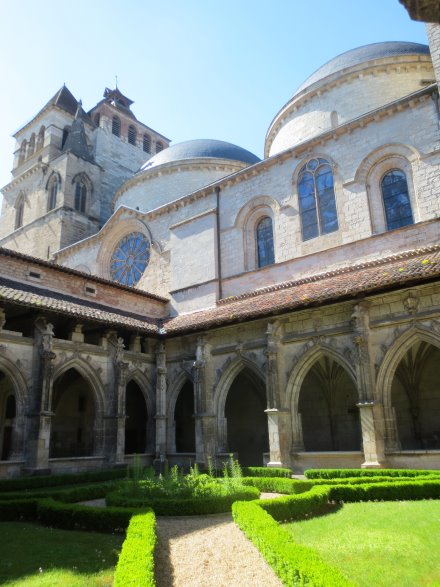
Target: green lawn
[(380, 544), (34, 555)]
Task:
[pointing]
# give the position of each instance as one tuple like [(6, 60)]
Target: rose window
[(130, 259)]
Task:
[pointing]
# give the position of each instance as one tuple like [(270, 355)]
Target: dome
[(201, 149), (361, 55)]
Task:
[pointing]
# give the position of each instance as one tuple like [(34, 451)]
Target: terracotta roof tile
[(36, 297), (389, 273)]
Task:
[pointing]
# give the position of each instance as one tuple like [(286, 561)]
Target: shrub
[(293, 563), (68, 494), (266, 472), (342, 473), (293, 507), (77, 517), (136, 561), (170, 506), (54, 480), (18, 509), (396, 490), (278, 484)]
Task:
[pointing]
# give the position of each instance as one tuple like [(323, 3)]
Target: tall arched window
[(40, 139), (22, 155), (116, 126), (31, 147), (52, 189), (80, 195), (264, 238), (132, 135), (19, 212), (397, 205), (317, 199), (146, 145), (159, 147)]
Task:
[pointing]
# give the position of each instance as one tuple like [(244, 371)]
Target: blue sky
[(194, 68)]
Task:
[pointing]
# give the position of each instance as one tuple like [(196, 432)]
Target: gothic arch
[(86, 371), (396, 353), (97, 390), (18, 381), (51, 177), (303, 366), (145, 386), (174, 389), (231, 370)]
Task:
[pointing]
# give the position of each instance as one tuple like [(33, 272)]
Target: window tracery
[(130, 259), (317, 199), (396, 202), (264, 240)]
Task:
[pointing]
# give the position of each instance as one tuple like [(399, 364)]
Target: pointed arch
[(395, 354), (303, 366), (179, 433), (19, 210), (18, 381), (227, 377), (82, 192), (145, 386), (87, 372), (52, 187), (40, 138)]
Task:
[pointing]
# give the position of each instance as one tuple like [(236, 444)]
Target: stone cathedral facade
[(192, 300)]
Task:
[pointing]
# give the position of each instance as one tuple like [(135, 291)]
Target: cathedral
[(190, 301)]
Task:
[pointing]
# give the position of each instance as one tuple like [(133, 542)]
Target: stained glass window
[(317, 199), (396, 199), (265, 242), (130, 259)]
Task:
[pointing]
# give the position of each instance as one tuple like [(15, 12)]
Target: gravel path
[(208, 551)]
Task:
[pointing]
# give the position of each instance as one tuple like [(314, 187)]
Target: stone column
[(41, 411), (204, 420), (161, 398), (372, 429), (121, 386), (277, 418)]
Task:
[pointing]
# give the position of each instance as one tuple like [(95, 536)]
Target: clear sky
[(194, 68)]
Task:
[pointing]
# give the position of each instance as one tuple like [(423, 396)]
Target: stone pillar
[(371, 425), (277, 418), (297, 434), (41, 411), (121, 387), (204, 420), (161, 398)]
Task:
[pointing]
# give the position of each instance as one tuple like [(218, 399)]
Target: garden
[(334, 528)]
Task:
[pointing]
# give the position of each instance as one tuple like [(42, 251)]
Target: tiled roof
[(394, 272), (32, 296), (371, 277)]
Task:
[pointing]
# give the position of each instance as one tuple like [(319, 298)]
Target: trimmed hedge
[(68, 494), (76, 517), (266, 472), (54, 480), (278, 484), (363, 480), (394, 491), (18, 509), (294, 564), (294, 507), (343, 473), (184, 507), (136, 561)]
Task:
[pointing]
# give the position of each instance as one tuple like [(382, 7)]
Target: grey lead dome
[(362, 55), (201, 148)]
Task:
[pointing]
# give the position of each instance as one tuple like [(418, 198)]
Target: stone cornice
[(18, 180), (395, 63)]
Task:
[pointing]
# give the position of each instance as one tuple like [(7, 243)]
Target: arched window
[(66, 131), (317, 199), (52, 189), (397, 205), (264, 239), (97, 119), (80, 195), (132, 135), (19, 212), (116, 126), (22, 155), (146, 145), (159, 147), (31, 147), (40, 139)]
